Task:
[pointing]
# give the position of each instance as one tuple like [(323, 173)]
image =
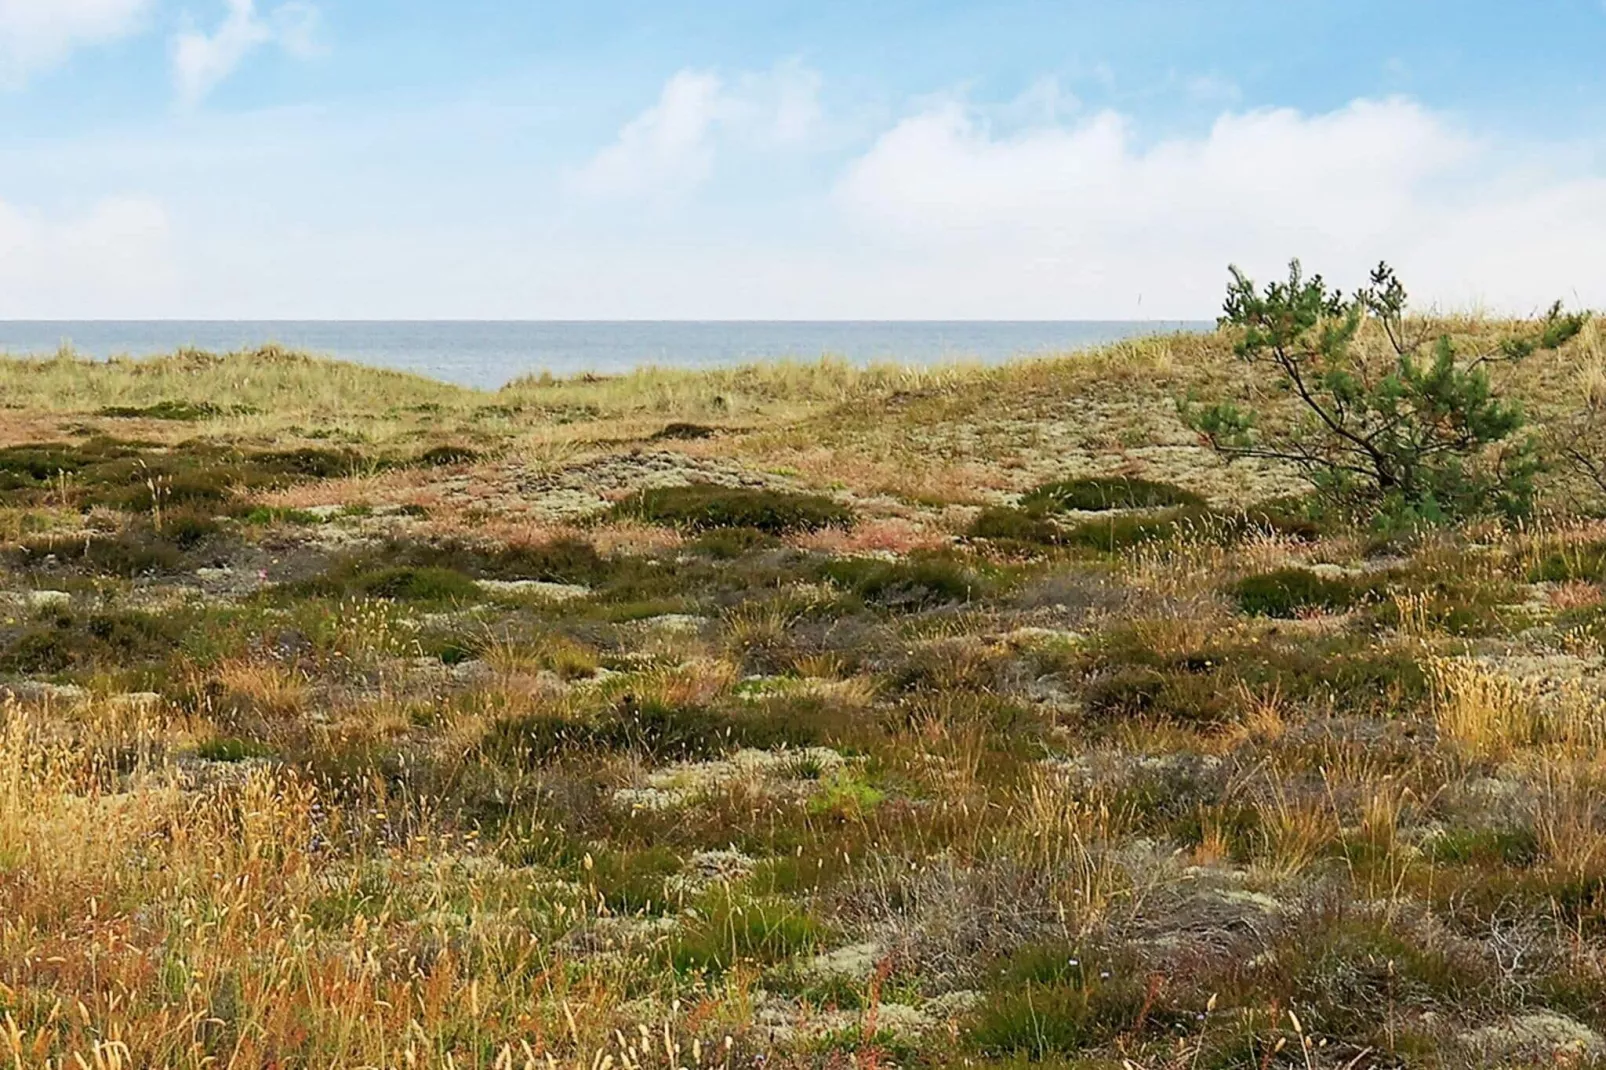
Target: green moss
[(702, 506), (263, 514), (846, 796)]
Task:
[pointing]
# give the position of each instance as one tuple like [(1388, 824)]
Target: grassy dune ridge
[(795, 714)]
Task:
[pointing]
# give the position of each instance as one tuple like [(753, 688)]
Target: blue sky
[(366, 159)]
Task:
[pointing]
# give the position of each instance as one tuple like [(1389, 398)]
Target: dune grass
[(505, 755)]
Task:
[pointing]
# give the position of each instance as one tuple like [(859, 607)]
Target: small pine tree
[(1417, 434)]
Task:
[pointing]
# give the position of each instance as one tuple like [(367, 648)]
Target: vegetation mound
[(702, 506), (1288, 592), (1102, 493)]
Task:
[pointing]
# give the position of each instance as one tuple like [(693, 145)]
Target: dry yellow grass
[(1487, 714), (407, 859)]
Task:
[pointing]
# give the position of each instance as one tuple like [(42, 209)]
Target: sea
[(487, 354)]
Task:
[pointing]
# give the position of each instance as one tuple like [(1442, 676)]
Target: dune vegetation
[(797, 714)]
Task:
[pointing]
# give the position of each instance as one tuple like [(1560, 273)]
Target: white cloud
[(1037, 209), (113, 260), (37, 34), (1080, 220), (670, 148), (202, 60)]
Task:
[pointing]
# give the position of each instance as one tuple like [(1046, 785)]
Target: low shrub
[(187, 529), (702, 506), (179, 411), (916, 583), (1103, 493), (1172, 694), (1112, 534), (558, 561), (312, 462), (727, 544), (657, 730), (1125, 677), (35, 465), (401, 583), (405, 584), (140, 550), (683, 431), (231, 749), (1018, 526), (1345, 963), (427, 571), (134, 476), (1286, 592), (441, 456), (1446, 599), (68, 641)]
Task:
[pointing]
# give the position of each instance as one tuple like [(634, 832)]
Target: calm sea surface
[(488, 354)]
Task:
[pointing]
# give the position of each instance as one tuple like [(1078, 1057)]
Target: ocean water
[(488, 354)]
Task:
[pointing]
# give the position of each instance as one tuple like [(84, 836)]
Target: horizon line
[(455, 320)]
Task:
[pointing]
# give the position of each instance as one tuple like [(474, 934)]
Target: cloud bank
[(741, 195), (1085, 218), (114, 260), (38, 34)]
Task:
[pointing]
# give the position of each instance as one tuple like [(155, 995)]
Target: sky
[(821, 159)]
